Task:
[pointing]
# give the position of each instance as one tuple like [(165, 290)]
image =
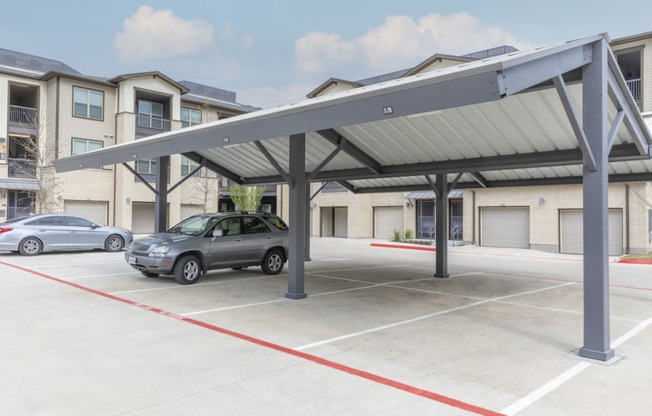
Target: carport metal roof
[(504, 121), (557, 114)]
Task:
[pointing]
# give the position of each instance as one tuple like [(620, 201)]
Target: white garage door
[(96, 211), (386, 220), (505, 227), (572, 228), (142, 218), (188, 210), (341, 220)]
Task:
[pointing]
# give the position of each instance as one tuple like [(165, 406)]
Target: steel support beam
[(349, 148), (273, 161), (161, 199), (297, 221), (625, 103), (508, 162), (441, 227), (576, 124), (596, 213), (139, 176)]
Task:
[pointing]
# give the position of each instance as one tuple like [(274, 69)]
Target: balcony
[(147, 125), (23, 120), (23, 115), (21, 168), (634, 86)]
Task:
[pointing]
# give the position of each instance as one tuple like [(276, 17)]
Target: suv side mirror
[(218, 232)]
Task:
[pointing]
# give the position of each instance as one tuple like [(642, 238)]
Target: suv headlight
[(159, 251)]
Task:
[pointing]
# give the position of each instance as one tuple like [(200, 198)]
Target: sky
[(275, 52)]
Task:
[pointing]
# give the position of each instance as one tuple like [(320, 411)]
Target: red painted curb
[(635, 261), (403, 247), (440, 398)]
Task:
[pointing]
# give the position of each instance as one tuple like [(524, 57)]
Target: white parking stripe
[(96, 275), (545, 389), (227, 308), (420, 318), (178, 286), (638, 328), (359, 268)]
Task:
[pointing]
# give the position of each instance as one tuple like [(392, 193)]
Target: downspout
[(115, 167), (56, 118), (627, 219)]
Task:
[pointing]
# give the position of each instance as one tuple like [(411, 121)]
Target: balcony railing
[(149, 122), (22, 168), (23, 115), (634, 86)]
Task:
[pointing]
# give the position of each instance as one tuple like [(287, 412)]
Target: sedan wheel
[(273, 262), (114, 243), (30, 246), (187, 270)]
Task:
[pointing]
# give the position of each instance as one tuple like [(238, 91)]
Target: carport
[(555, 115)]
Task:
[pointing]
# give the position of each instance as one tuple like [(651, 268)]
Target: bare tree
[(206, 185), (38, 151)]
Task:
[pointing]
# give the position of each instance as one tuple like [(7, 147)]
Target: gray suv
[(212, 241)]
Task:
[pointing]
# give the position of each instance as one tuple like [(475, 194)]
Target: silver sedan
[(34, 234)]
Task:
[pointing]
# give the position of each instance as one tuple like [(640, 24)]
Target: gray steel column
[(161, 198), (308, 222), (297, 219), (596, 212), (441, 228)]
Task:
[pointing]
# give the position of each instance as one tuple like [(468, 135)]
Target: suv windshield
[(195, 225)]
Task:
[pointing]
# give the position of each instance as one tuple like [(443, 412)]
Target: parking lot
[(84, 333)]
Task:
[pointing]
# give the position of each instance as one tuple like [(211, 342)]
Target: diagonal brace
[(564, 96), (273, 161)]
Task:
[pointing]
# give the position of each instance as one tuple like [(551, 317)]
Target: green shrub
[(397, 236), (408, 234)]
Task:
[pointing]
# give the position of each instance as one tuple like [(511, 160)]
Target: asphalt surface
[(84, 334)]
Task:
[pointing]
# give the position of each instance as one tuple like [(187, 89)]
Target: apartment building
[(546, 218), (49, 110)]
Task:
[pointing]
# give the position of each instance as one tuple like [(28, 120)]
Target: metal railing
[(23, 115), (21, 168), (634, 86), (155, 123), (15, 212)]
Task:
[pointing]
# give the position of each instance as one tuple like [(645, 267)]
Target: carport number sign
[(388, 110)]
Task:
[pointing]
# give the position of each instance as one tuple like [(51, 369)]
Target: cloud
[(155, 34), (399, 42)]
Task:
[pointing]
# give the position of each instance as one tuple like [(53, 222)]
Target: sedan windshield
[(195, 225)]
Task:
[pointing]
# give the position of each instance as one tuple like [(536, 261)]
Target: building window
[(150, 114), (190, 117), (188, 166), (88, 103), (80, 146), (146, 166)]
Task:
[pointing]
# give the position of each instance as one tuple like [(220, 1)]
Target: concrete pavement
[(378, 335)]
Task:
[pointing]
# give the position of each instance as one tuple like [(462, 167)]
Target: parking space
[(84, 333)]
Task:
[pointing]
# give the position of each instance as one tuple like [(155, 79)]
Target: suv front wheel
[(273, 262), (187, 270)]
